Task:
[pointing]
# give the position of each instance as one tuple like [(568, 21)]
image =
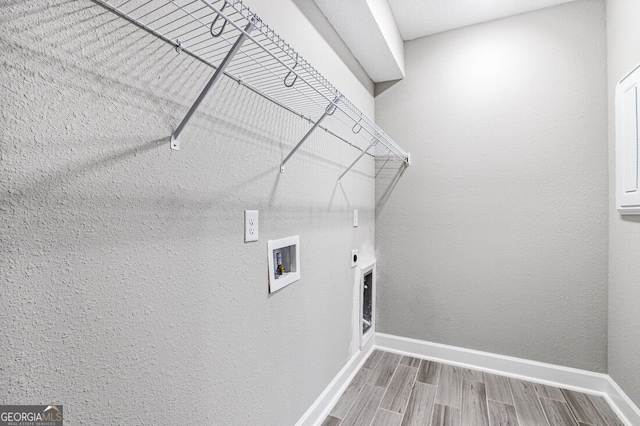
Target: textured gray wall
[(128, 294), (496, 238), (623, 35)]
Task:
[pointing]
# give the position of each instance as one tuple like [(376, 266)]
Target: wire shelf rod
[(273, 73), (150, 12), (371, 145), (330, 110), (187, 13), (267, 64), (175, 142), (258, 44), (286, 107), (126, 16), (268, 51), (142, 5), (150, 30)]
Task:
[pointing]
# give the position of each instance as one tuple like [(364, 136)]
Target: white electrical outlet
[(250, 225), (354, 258), (355, 218)]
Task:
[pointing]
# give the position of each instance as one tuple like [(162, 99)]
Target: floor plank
[(331, 421), (373, 359), (474, 404), (449, 387), (471, 375), (582, 408), (365, 406), (550, 392), (558, 412), (527, 404), (429, 372), (410, 361), (502, 414), (605, 411), (420, 406), (386, 418), (457, 396), (497, 388), (443, 415), (383, 372), (350, 394), (399, 389)]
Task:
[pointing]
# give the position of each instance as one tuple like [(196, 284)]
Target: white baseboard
[(569, 378), (321, 407), (621, 403), (539, 372)]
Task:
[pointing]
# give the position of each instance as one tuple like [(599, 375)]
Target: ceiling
[(376, 37), (419, 18)]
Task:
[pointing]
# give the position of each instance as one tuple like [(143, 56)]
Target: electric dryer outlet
[(354, 258)]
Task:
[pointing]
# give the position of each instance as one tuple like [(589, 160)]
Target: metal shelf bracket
[(373, 143), (175, 141), (331, 108)]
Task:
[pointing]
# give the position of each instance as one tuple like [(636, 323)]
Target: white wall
[(128, 294), (496, 238), (623, 48)]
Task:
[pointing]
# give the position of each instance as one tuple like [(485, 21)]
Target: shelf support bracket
[(175, 141), (331, 108), (373, 143)]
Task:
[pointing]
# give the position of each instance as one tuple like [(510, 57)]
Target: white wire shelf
[(235, 42)]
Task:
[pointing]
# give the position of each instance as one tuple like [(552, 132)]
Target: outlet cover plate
[(250, 225), (354, 258)]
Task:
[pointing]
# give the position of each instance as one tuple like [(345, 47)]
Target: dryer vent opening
[(367, 317), (367, 301)]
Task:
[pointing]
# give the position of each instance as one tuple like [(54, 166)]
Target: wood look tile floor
[(396, 390)]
